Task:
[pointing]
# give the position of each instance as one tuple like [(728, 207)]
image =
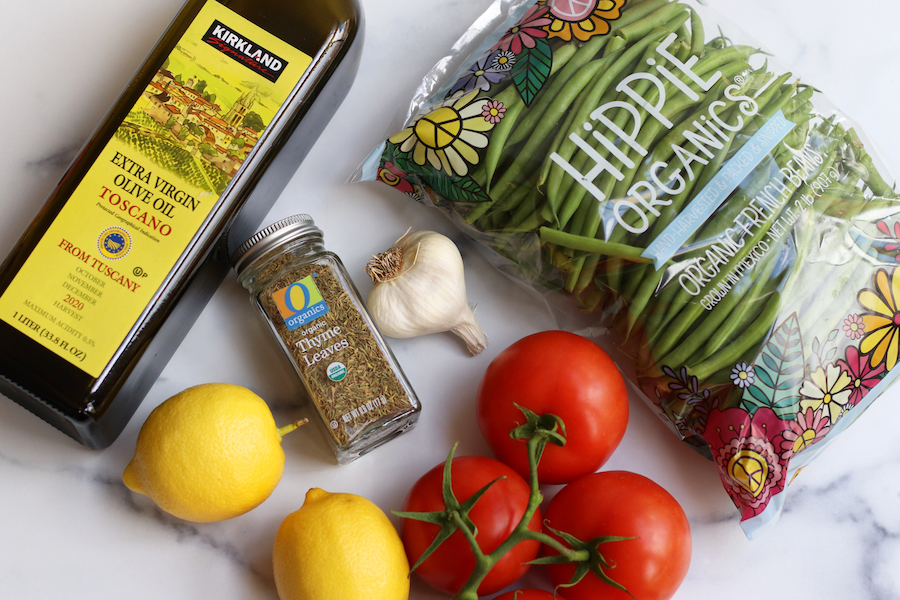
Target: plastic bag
[(665, 181)]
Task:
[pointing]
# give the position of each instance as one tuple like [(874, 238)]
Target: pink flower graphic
[(895, 234), (526, 31), (854, 327), (493, 111), (863, 377), (394, 177), (808, 428), (748, 453)]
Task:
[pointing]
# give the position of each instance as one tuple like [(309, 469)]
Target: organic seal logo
[(336, 371), (114, 243)]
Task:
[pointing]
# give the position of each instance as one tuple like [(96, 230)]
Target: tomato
[(563, 374), (495, 515), (651, 566), (529, 594)]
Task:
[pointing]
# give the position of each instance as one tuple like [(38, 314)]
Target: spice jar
[(310, 304)]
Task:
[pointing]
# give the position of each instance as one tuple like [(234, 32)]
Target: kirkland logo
[(252, 56)]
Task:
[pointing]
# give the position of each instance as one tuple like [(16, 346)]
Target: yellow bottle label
[(103, 259)]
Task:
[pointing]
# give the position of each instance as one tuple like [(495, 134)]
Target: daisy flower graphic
[(448, 138)]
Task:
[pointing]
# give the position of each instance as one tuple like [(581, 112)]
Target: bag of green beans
[(680, 189)]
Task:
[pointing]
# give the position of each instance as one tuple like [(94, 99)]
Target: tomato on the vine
[(495, 515), (529, 594), (563, 374), (652, 565)]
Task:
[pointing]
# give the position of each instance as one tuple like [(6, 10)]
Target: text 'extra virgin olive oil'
[(104, 284)]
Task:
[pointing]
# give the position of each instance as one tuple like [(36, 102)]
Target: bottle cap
[(272, 236)]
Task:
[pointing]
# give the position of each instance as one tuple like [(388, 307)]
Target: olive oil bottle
[(105, 282)]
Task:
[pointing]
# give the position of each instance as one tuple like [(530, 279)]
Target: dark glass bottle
[(41, 344)]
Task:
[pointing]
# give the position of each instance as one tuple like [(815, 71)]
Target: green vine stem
[(536, 432)]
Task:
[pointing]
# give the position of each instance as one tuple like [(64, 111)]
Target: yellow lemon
[(339, 546), (210, 453)]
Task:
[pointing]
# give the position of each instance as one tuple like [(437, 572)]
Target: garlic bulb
[(420, 289)]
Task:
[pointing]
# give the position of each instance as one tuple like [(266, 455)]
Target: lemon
[(209, 453), (339, 546)]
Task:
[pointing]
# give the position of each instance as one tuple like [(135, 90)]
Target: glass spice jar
[(310, 304)]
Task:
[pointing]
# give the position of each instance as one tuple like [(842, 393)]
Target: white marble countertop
[(69, 529)]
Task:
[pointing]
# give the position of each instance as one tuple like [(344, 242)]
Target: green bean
[(642, 28), (634, 277), (709, 63), (668, 140), (872, 176), (567, 148), (621, 118), (592, 222), (682, 309), (536, 111), (726, 318), (689, 312), (802, 234), (586, 225), (683, 47), (647, 286), (718, 157), (654, 321), (751, 337), (665, 148), (684, 42), (498, 140), (514, 200), (697, 34), (529, 222), (571, 115), (538, 138), (562, 57), (590, 244), (725, 215), (574, 194), (526, 207), (613, 275), (722, 218), (603, 267)]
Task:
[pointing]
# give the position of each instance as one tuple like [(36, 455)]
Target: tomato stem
[(485, 562), (537, 432)]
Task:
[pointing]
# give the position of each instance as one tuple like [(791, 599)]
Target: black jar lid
[(270, 237)]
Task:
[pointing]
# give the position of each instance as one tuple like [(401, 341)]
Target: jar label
[(104, 257), (344, 367), (300, 302)]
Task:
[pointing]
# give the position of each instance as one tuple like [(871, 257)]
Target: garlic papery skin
[(419, 288)]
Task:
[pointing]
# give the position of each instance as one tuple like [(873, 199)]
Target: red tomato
[(495, 515), (529, 594), (563, 374), (651, 566)]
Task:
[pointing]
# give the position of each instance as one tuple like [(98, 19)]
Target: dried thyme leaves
[(370, 391)]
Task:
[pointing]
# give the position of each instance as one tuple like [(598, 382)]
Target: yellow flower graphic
[(581, 19), (826, 389), (448, 137), (882, 324)]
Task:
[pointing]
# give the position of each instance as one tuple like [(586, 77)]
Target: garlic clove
[(471, 333), (419, 288)]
